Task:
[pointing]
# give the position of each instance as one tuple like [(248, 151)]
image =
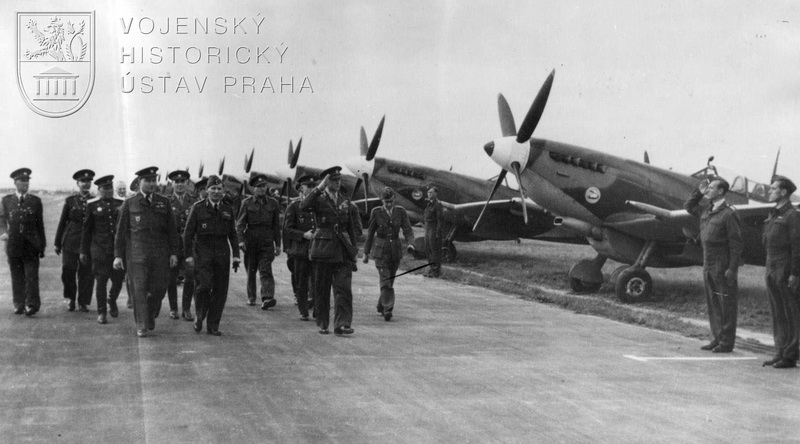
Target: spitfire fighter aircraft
[(628, 211), (507, 217)]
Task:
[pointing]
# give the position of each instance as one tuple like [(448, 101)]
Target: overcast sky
[(681, 79)]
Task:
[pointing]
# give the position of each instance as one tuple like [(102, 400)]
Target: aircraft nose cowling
[(489, 148)]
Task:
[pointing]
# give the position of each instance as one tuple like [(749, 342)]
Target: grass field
[(529, 269)]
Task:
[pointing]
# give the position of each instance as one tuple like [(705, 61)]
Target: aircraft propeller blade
[(775, 167), (355, 189), (200, 171), (291, 154), (516, 168), (288, 187), (376, 140), (221, 166), (296, 157), (248, 161), (497, 184), (507, 124), (536, 110), (646, 158), (365, 176), (284, 188), (364, 143)]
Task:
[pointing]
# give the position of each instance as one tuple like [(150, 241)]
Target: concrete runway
[(456, 364)]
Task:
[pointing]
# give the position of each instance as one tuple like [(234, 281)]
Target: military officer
[(333, 251), (148, 240), (385, 223), (721, 238), (781, 237), (434, 222), (298, 229), (259, 229), (22, 229), (181, 204), (210, 230), (68, 241), (97, 246)]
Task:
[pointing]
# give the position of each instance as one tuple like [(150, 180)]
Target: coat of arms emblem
[(55, 61)]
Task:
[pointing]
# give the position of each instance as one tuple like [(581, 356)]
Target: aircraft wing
[(508, 204), (681, 218)]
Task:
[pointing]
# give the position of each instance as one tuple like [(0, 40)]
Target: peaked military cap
[(178, 175), (334, 172), (309, 180), (21, 174), (149, 172), (387, 194), (212, 181), (83, 175), (201, 184), (135, 184), (786, 183), (258, 179), (105, 181)]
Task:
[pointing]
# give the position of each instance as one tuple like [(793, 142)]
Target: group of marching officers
[(151, 243)]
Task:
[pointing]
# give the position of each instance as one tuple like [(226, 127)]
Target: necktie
[(21, 199)]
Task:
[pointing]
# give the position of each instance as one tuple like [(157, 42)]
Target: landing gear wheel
[(579, 286), (449, 253), (615, 274), (634, 284)]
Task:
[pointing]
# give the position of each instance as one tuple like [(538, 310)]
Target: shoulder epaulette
[(93, 200)]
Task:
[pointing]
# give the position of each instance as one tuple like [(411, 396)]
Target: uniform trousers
[(386, 273), (300, 278), (71, 267), (339, 277), (433, 249), (148, 279), (722, 302), (25, 281), (213, 276), (260, 262), (103, 269), (187, 272), (785, 312)]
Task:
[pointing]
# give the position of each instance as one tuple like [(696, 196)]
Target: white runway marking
[(690, 358)]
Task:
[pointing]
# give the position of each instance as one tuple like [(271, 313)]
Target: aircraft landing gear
[(449, 253), (634, 283), (586, 276)]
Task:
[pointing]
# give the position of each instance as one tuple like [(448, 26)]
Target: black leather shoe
[(198, 325), (710, 345), (101, 319), (770, 362), (187, 315), (338, 331), (380, 308), (30, 311), (141, 333), (348, 330), (112, 309), (387, 316), (324, 331), (173, 314), (251, 302), (19, 310), (722, 349), (785, 363), (214, 333), (269, 303), (71, 305), (82, 308), (304, 318)]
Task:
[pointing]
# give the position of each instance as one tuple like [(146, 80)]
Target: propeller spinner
[(512, 151)]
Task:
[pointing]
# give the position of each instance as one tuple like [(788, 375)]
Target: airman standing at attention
[(721, 238), (385, 223), (210, 229), (333, 251), (781, 237), (434, 221), (68, 242), (146, 237), (22, 229), (181, 204), (97, 246), (259, 230), (298, 229)]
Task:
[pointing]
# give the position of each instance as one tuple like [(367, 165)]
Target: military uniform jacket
[(146, 229), (296, 223), (781, 236), (68, 234), (434, 216), (180, 210), (100, 226), (720, 231), (209, 231), (259, 223), (23, 224), (336, 224), (383, 241)]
